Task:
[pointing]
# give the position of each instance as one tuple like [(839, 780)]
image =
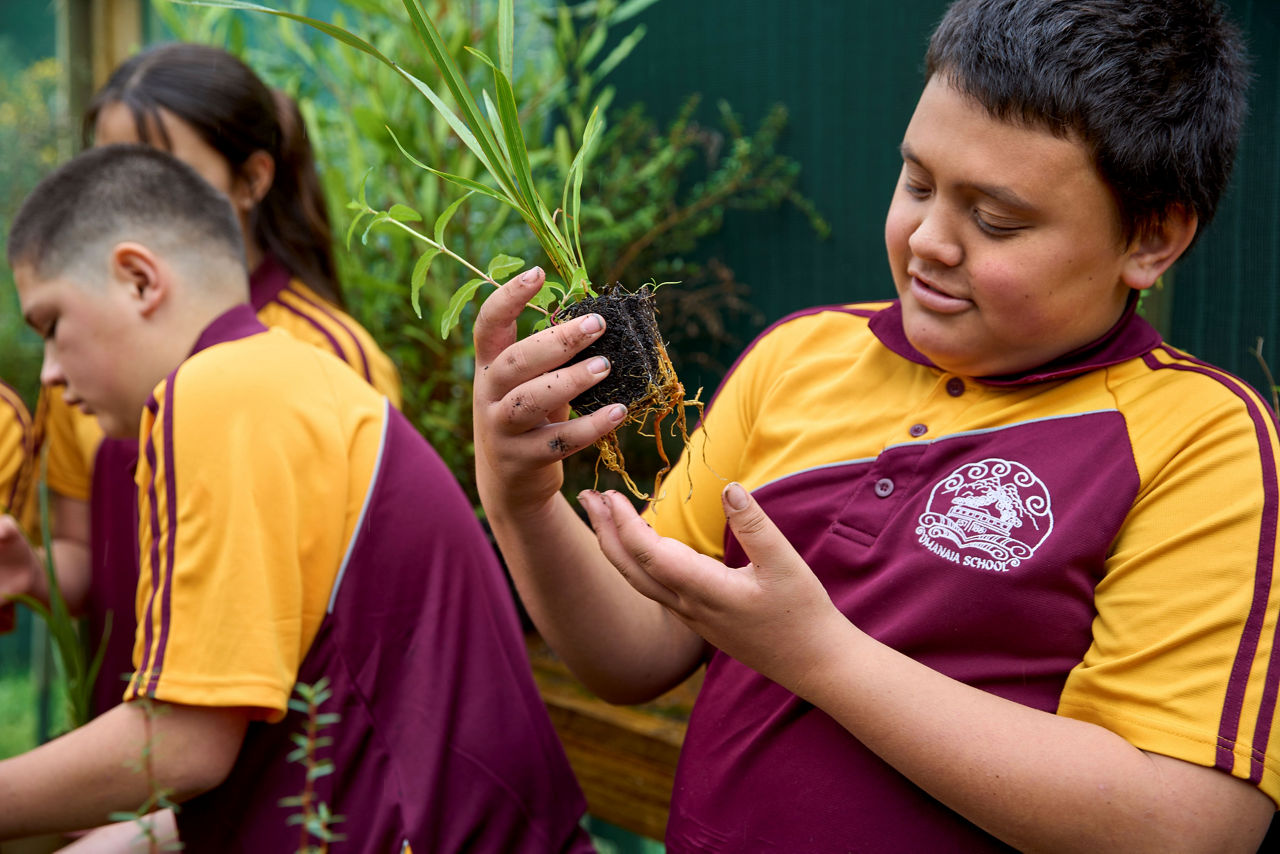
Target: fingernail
[(592, 323), (531, 276), (598, 365), (617, 412), (585, 494), (736, 497)]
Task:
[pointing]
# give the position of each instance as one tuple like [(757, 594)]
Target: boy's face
[(1003, 240), (90, 332)]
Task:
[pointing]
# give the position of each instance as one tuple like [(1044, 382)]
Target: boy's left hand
[(773, 614)]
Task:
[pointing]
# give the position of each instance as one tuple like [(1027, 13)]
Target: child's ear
[(1153, 252), (135, 267), (253, 181)]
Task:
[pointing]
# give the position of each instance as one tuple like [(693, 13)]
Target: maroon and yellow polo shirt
[(84, 466), (1094, 538), (293, 526)]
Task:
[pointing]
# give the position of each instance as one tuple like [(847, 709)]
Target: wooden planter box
[(624, 756)]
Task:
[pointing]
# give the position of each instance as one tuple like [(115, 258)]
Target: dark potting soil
[(631, 342)]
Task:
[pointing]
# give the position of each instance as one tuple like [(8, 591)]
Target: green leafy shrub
[(34, 137), (652, 194)]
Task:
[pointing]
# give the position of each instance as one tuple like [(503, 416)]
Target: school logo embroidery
[(992, 515)]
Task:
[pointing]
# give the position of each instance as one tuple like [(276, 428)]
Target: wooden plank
[(624, 756)]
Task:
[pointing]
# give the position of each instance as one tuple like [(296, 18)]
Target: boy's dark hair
[(121, 192), (1154, 88), (236, 114)]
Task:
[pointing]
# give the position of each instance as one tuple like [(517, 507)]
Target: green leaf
[(477, 187), (549, 292), (315, 772), (620, 52), (445, 216), (630, 9), (379, 218), (482, 143), (506, 37), (595, 41), (363, 181), (415, 161), (502, 266), (338, 33), (419, 278), (404, 213), (456, 303), (355, 223)]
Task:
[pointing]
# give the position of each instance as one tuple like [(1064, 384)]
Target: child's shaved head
[(117, 193)]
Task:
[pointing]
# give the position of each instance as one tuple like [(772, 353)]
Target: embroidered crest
[(992, 515)]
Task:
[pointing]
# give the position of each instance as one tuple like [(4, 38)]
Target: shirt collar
[(1130, 337), (267, 280), (231, 325)]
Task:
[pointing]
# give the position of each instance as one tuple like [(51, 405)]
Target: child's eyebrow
[(1003, 195)]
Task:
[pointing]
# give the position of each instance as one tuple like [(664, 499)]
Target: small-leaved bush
[(652, 193)]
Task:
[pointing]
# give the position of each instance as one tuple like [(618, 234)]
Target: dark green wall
[(850, 71), (1225, 292)]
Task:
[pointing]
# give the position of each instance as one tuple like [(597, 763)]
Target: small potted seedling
[(642, 375)]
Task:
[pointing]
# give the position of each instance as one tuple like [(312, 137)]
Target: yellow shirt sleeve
[(244, 479), (1181, 658)]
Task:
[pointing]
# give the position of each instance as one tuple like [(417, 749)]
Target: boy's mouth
[(933, 298), (77, 402)]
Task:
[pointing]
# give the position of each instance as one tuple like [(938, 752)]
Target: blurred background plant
[(34, 137), (651, 193)]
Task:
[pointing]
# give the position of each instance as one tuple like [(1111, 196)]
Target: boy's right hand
[(19, 564), (521, 399)]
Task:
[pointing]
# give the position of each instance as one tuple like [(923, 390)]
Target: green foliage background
[(651, 194), (34, 139)]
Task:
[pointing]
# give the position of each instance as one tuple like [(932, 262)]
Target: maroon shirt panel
[(444, 740), (763, 770)]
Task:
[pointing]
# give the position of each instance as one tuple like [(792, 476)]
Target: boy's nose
[(51, 369), (934, 239)]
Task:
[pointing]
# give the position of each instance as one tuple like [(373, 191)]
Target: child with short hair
[(211, 111), (293, 528), (1006, 558)]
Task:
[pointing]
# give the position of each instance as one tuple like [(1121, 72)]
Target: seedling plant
[(642, 376)]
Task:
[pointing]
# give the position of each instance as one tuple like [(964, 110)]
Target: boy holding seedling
[(293, 528), (995, 565)]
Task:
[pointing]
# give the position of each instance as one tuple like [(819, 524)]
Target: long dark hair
[(236, 114)]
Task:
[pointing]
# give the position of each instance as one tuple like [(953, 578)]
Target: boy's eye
[(995, 226), (915, 190)]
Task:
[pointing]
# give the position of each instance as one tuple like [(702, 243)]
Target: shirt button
[(955, 386), (918, 430), (884, 487)]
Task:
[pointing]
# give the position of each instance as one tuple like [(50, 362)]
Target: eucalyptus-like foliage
[(495, 136)]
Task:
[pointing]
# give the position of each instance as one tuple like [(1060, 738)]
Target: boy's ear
[(136, 267), (253, 181), (1153, 252)]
